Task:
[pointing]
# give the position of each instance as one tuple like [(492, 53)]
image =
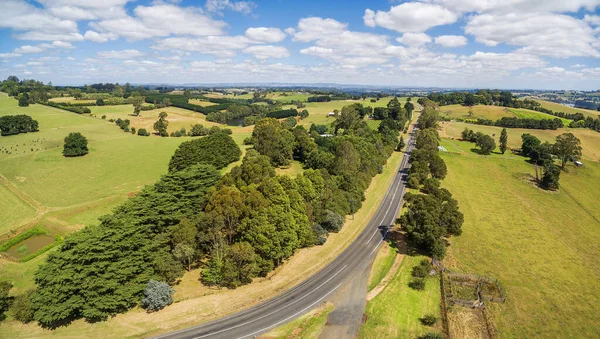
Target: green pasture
[(542, 246), (555, 107)]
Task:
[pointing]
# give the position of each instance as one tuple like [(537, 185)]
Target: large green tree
[(567, 147), (486, 144), (75, 145), (275, 141), (218, 149)]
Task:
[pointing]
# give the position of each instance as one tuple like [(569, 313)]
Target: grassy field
[(555, 107), (589, 139), (14, 210), (528, 114), (395, 312), (542, 246), (479, 111), (178, 117), (64, 194), (493, 113), (71, 99), (382, 264)]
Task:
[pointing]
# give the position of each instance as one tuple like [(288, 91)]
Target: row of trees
[(485, 142), (432, 214), (513, 122), (15, 124)]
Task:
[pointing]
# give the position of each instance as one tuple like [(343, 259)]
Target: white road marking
[(293, 315), (268, 314)]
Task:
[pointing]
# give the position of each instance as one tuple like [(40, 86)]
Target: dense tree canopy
[(217, 149), (15, 124)]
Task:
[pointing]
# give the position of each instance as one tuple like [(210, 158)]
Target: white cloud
[(21, 16), (518, 6), (263, 52), (220, 46), (414, 39), (244, 7), (57, 44), (554, 35), (71, 59), (161, 21), (410, 17), (99, 37), (321, 52), (265, 34), (36, 35), (124, 54), (314, 28), (593, 20), (26, 49), (9, 55), (451, 40)]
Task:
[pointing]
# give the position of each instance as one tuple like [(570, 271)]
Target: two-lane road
[(316, 289)]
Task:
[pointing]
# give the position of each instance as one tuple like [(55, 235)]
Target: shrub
[(99, 102), (104, 117), (417, 284), (75, 145), (420, 271), (332, 222), (428, 320), (143, 132), (158, 294), (132, 130), (21, 307), (5, 287)]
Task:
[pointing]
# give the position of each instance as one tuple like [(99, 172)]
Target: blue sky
[(550, 44)]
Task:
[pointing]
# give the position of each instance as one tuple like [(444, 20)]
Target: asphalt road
[(262, 318)]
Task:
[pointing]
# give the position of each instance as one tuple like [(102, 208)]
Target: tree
[(274, 141), (99, 102), (550, 177), (21, 308), (137, 102), (347, 120), (567, 147), (486, 144), (5, 287), (332, 221), (75, 145), (503, 140), (184, 253), (24, 100), (158, 295), (470, 100), (530, 142), (401, 144), (409, 107), (304, 114), (185, 233), (161, 125)]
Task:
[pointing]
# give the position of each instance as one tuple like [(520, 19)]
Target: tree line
[(432, 214)]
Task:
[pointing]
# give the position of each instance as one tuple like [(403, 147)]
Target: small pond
[(239, 122), (30, 245)]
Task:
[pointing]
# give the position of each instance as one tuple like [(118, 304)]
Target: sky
[(517, 44)]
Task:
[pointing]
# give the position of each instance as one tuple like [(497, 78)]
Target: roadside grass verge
[(308, 326), (382, 264), (395, 312)]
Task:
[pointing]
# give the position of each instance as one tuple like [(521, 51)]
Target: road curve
[(262, 318)]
